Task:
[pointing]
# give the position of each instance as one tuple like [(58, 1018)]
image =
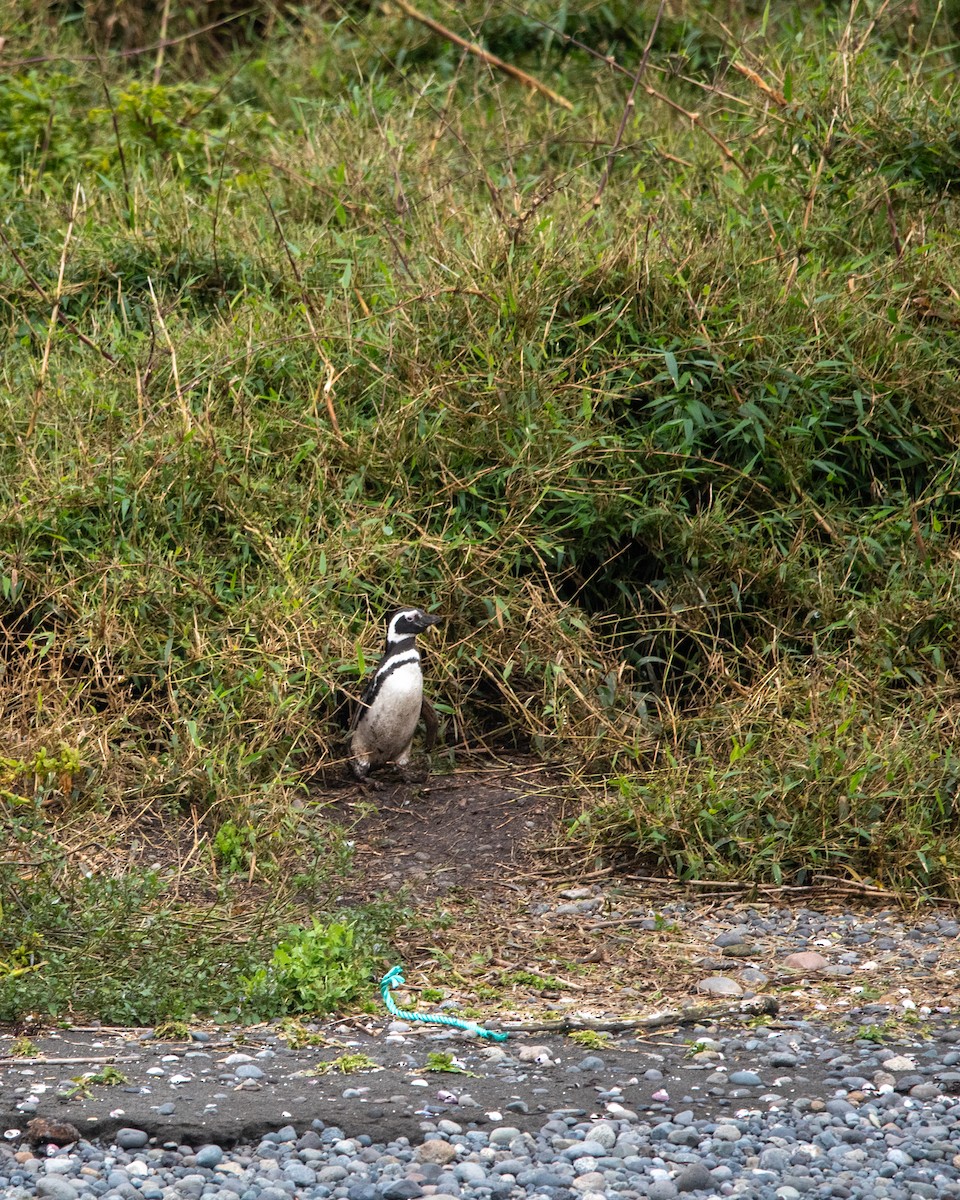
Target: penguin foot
[(413, 775)]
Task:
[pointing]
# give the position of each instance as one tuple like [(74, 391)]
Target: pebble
[(130, 1139), (836, 1144), (209, 1156), (806, 960), (720, 985)]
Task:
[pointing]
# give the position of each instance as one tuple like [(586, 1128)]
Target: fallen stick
[(484, 55), (52, 1062), (757, 1006)]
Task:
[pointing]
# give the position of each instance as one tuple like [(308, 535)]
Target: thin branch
[(695, 119), (45, 362), (485, 55), (128, 195), (892, 220), (64, 320), (332, 375), (759, 82), (164, 22), (54, 1062), (134, 52), (628, 108), (184, 408)]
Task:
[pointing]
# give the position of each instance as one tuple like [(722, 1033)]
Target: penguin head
[(407, 623)]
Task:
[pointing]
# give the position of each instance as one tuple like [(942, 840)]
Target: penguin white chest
[(385, 730)]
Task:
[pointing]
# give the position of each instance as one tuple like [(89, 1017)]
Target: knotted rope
[(394, 978)]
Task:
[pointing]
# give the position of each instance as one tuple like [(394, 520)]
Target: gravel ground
[(851, 1090)]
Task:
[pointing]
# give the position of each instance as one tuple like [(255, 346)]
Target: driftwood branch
[(484, 55), (53, 1062), (757, 1006)]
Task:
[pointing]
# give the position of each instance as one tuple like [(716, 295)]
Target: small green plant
[(107, 1075), (438, 1060), (590, 1039), (317, 969), (294, 1034), (235, 846), (431, 995), (531, 979), (80, 1085), (872, 1033), (172, 1031), (77, 1089), (347, 1064), (22, 1047)]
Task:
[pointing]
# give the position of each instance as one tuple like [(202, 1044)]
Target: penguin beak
[(432, 619)]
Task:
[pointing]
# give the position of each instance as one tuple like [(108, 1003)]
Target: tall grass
[(301, 325)]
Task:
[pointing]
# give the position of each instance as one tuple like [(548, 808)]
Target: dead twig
[(695, 118), (181, 399), (161, 49), (484, 55), (759, 82), (628, 108), (133, 52), (756, 1006), (45, 362), (61, 317)]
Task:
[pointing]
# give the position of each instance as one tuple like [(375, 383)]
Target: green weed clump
[(808, 784), (663, 422), (319, 969)]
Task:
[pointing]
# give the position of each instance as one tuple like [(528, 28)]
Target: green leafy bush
[(318, 969)]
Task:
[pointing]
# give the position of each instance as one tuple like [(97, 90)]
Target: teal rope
[(394, 978)]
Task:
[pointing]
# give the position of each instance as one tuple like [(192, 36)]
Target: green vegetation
[(320, 969), (80, 1085), (294, 1034), (312, 313), (172, 1031), (439, 1060), (531, 979), (590, 1039), (347, 1064), (108, 1076)]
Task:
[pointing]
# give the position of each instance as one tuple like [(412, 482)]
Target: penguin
[(393, 702)]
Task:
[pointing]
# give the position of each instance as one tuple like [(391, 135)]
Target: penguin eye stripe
[(405, 622)]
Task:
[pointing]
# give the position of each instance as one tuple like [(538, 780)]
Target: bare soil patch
[(474, 830)]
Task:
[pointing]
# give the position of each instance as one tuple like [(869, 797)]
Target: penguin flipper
[(429, 715)]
